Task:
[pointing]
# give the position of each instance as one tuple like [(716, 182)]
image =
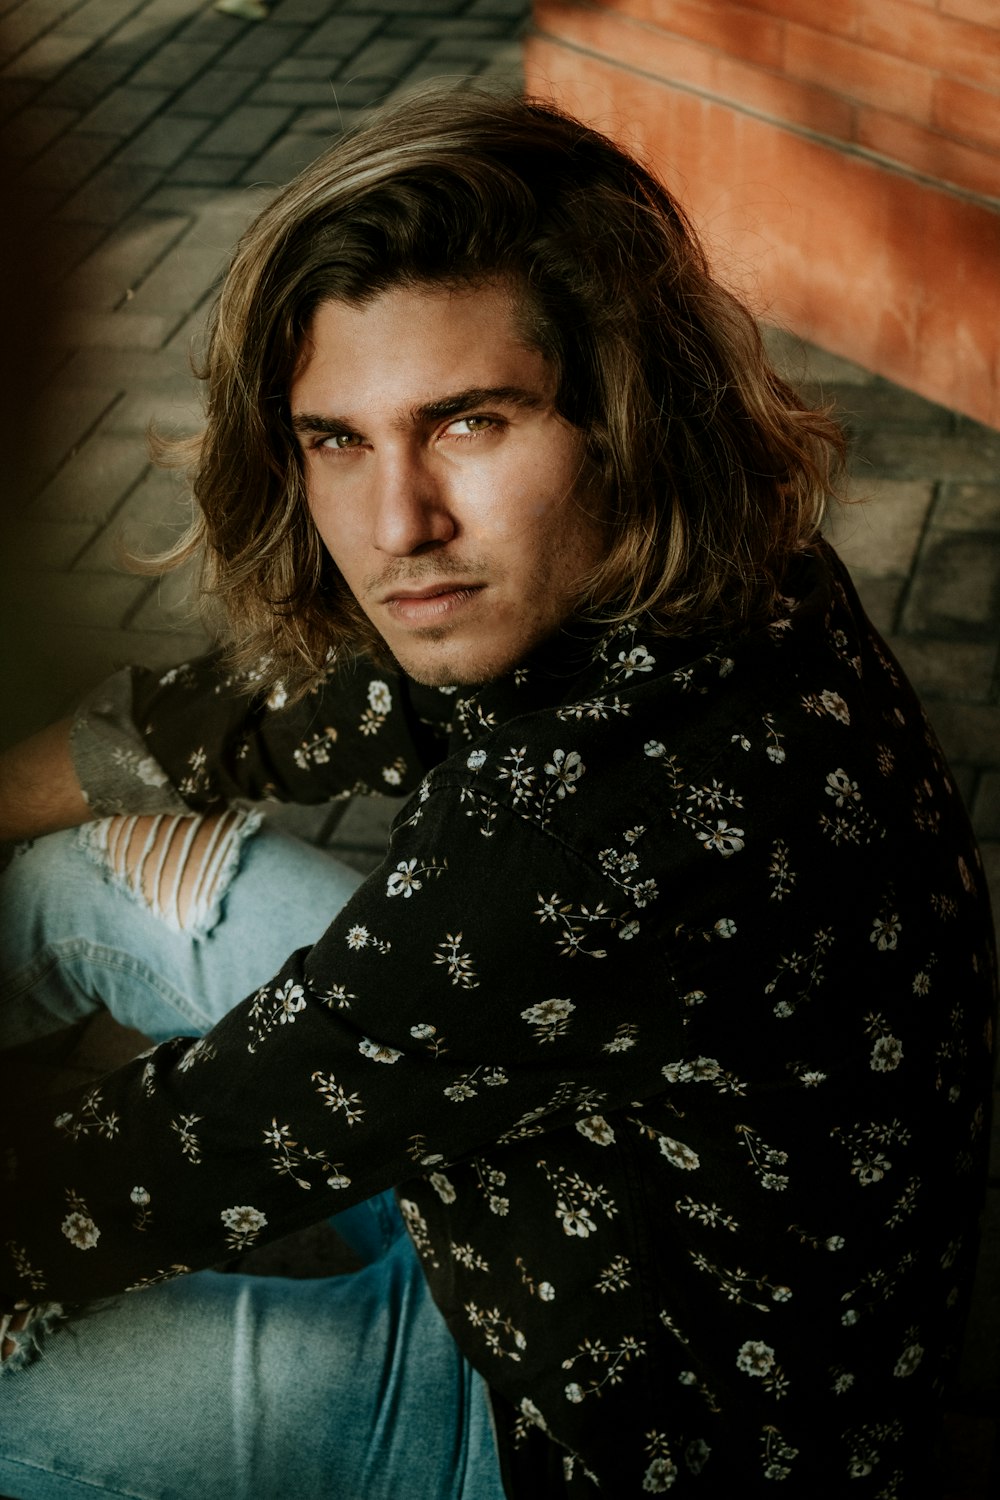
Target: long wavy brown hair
[(712, 470)]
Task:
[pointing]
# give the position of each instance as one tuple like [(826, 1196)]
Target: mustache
[(413, 571)]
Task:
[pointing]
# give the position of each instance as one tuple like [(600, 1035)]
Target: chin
[(449, 675), (457, 668)]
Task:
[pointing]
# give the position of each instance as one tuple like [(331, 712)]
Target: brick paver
[(150, 132)]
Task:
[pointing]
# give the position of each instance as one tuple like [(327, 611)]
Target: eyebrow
[(445, 406)]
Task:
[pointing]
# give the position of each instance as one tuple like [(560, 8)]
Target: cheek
[(331, 520), (536, 496)]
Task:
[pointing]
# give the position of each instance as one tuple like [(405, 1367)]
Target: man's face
[(447, 489)]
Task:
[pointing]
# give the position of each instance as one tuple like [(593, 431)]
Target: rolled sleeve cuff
[(111, 758)]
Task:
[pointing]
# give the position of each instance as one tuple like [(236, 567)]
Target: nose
[(411, 508)]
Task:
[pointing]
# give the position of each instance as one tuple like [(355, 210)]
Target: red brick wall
[(841, 157)]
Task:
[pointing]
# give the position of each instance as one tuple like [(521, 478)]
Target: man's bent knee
[(177, 865)]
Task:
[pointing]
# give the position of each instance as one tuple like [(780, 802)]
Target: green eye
[(474, 424), (343, 440)]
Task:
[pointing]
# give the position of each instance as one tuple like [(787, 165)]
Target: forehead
[(418, 343)]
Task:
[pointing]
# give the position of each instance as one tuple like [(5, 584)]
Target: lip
[(432, 603)]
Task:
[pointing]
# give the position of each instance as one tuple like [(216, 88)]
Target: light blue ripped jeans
[(220, 1386)]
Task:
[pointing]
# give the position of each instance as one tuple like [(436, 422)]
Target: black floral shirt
[(668, 1015)]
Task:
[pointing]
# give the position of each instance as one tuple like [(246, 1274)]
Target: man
[(667, 1015)]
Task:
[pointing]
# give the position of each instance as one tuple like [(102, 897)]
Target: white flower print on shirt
[(660, 1476), (491, 1180), (567, 768), (841, 788), (142, 1198), (418, 1231), (614, 1276), (201, 1050), (243, 1225), (497, 1330), (528, 793), (804, 966), (469, 1257), (379, 707), (827, 702), (630, 662), (378, 1051), (198, 781), (291, 998), (460, 967), (777, 1455), (465, 1086), (597, 1129), (662, 1471), (143, 767), (757, 1359), (726, 839), (783, 877), (624, 1038), (359, 937), (293, 1158), (24, 1268), (92, 1118), (885, 931), (851, 823), (594, 708), (274, 1007), (697, 806), (764, 1159), (740, 1286), (704, 1070), (443, 1186), (550, 1018), (621, 868), (709, 1214), (404, 880), (78, 1227), (678, 1154), (887, 1051), (574, 921), (610, 1361), (577, 1201), (544, 1290), (869, 1163), (315, 751), (337, 1098), (908, 1360), (190, 1144)]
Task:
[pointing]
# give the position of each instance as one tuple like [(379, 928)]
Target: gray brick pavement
[(151, 131)]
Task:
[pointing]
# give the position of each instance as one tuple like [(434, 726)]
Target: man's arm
[(311, 1094), (39, 788)]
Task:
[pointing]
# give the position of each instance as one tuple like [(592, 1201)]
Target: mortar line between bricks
[(907, 589), (189, 228), (72, 452), (112, 516), (252, 77), (143, 599)]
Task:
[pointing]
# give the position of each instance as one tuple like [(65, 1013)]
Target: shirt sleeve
[(459, 1000), (197, 736)]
